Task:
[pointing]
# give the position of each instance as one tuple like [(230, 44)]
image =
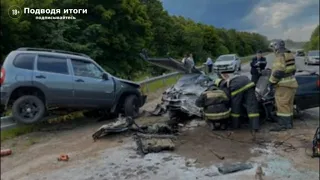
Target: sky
[(284, 19)]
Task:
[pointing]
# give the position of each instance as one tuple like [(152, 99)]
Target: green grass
[(159, 84)]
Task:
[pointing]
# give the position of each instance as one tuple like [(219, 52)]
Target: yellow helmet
[(217, 81)]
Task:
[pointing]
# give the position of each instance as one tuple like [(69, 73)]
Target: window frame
[(86, 61), (56, 57), (15, 59)]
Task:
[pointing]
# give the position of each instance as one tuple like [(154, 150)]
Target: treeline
[(113, 33), (314, 41)]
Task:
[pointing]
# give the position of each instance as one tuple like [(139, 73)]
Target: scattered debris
[(148, 143), (231, 168), (159, 110), (217, 155), (63, 157), (6, 152), (120, 125), (259, 173), (158, 128), (211, 174)]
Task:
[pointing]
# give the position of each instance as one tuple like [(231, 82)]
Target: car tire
[(29, 102), (131, 106)]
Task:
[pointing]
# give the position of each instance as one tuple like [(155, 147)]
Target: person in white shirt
[(190, 58), (209, 64)]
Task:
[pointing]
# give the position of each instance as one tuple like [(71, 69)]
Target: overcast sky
[(294, 19)]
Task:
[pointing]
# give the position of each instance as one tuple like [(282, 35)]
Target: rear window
[(52, 64), (24, 61)]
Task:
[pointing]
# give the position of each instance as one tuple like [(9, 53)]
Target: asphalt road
[(310, 113)]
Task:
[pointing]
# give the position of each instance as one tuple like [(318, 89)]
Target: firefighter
[(242, 93), (283, 81), (216, 107), (257, 64)]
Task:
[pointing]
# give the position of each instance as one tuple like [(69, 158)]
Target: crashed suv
[(37, 81), (179, 100)]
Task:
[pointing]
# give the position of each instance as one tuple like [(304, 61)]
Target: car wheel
[(28, 109), (131, 106)]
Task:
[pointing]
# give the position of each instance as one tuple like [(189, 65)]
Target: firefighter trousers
[(248, 100), (284, 97), (255, 78)]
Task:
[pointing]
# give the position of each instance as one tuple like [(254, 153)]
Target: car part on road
[(28, 109), (316, 144), (217, 155), (235, 167), (6, 152), (63, 157), (120, 125), (149, 143)]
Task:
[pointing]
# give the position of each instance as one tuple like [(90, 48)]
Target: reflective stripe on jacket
[(217, 116), (238, 84), (283, 70)]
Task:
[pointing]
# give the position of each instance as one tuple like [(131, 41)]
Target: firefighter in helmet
[(283, 81), (242, 93)]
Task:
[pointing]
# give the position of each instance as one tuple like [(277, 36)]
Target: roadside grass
[(146, 88)]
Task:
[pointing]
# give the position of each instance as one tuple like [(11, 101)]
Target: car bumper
[(143, 100), (313, 61), (223, 68)]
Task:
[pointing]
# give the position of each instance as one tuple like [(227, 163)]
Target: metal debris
[(235, 167), (151, 143), (120, 125)]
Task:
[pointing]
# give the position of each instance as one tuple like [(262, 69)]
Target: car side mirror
[(105, 76)]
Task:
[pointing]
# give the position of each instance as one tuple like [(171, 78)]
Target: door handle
[(40, 77), (79, 80)]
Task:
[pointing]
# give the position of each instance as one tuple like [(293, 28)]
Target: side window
[(86, 69), (52, 64), (24, 61)]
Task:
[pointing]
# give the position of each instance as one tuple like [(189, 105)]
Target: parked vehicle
[(227, 62), (313, 57), (300, 53), (34, 81), (179, 100)]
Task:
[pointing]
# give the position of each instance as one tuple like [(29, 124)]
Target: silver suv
[(34, 81)]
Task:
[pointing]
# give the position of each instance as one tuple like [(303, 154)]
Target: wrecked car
[(179, 100)]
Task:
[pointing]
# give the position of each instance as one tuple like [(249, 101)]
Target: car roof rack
[(51, 50)]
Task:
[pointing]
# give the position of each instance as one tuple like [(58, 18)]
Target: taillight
[(318, 83), (3, 75)]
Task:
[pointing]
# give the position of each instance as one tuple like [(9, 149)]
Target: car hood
[(169, 63), (131, 83), (313, 57), (192, 84), (223, 63)]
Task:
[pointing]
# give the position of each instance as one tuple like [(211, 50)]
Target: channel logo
[(14, 12)]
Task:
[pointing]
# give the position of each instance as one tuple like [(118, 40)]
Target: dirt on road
[(114, 157)]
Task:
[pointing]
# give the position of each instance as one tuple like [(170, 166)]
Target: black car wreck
[(179, 100)]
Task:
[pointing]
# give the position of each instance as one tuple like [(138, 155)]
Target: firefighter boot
[(235, 123), (288, 122), (254, 124), (281, 126)]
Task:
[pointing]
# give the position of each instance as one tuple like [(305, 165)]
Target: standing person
[(184, 58), (242, 92), (257, 64), (190, 58), (209, 64), (283, 80)]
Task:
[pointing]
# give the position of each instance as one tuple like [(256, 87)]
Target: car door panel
[(52, 73), (307, 95), (91, 91)]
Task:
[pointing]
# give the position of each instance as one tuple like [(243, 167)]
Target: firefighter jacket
[(283, 70), (215, 104), (257, 65), (238, 84)]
